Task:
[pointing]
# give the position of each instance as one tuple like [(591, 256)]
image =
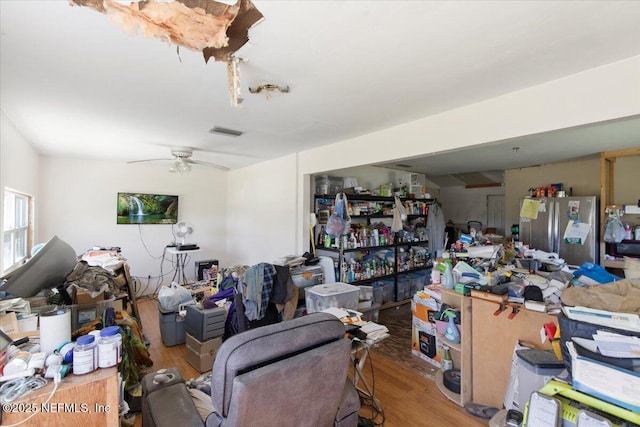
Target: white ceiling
[(76, 85)]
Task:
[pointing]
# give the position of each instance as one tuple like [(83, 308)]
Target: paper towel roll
[(55, 329)]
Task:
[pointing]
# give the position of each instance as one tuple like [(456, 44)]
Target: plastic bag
[(613, 230), (170, 298), (399, 215), (339, 219)]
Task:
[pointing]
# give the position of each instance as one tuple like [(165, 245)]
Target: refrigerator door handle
[(550, 227), (556, 227)]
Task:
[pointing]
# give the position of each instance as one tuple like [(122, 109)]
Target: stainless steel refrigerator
[(567, 226)]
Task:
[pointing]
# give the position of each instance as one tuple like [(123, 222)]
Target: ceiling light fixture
[(225, 131), (179, 166), (269, 89)]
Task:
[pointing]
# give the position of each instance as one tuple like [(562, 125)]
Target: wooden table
[(80, 400)]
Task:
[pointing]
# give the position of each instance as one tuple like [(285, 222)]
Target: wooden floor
[(407, 399)]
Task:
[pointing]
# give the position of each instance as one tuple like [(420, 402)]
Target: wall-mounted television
[(140, 208)]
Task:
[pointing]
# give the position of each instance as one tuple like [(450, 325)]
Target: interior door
[(495, 213)]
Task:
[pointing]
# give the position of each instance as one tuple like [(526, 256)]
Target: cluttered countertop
[(588, 316)]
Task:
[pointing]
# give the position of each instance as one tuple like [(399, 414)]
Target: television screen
[(137, 208)]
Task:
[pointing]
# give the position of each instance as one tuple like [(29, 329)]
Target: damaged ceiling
[(76, 85), (216, 29)]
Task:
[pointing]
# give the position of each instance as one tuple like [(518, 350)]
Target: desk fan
[(181, 230)]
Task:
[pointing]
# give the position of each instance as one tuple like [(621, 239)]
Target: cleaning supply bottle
[(447, 363), (451, 333), (447, 277)]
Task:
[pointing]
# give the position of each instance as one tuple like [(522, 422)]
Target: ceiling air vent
[(225, 131)]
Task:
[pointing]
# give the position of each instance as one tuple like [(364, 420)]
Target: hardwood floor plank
[(407, 399)]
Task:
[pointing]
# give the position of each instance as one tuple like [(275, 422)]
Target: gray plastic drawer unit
[(204, 324)]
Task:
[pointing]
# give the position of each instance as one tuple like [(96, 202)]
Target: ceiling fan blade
[(213, 165), (149, 160)]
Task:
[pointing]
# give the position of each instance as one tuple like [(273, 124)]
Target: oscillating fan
[(181, 230)]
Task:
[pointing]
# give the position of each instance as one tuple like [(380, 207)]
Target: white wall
[(19, 168), (261, 218), (461, 204), (79, 205), (604, 93), (261, 212)]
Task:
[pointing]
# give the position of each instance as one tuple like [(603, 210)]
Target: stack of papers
[(18, 305), (374, 331), (615, 345)]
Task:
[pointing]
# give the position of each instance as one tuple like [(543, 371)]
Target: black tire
[(451, 380)]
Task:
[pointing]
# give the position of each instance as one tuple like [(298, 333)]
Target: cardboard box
[(201, 354), (9, 323), (84, 297), (424, 341)]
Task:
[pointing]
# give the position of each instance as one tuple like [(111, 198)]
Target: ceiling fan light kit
[(180, 167), (181, 161)]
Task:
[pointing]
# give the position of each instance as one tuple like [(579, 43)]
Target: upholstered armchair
[(292, 373)]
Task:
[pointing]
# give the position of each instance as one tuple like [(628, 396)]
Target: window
[(17, 229)]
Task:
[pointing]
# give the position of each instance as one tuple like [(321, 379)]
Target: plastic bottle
[(451, 333), (109, 347), (447, 277), (321, 237), (84, 355), (447, 363), (627, 232)]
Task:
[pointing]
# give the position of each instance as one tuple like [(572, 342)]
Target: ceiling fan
[(181, 161)]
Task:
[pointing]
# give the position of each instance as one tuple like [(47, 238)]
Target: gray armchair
[(292, 373)]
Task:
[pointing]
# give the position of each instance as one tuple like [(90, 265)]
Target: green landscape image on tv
[(139, 208)]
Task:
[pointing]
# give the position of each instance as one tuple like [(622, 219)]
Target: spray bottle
[(447, 363), (451, 333), (447, 277)]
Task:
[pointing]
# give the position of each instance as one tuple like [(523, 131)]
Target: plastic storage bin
[(404, 288), (341, 295), (388, 290), (535, 369), (377, 292), (171, 328)]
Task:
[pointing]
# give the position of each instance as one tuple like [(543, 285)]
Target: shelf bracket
[(501, 308), (514, 311)]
